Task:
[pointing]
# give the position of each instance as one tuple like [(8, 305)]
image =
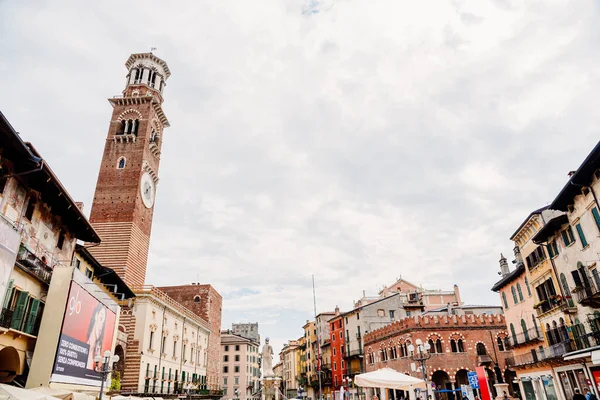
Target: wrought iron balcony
[(29, 262), (587, 295), (529, 336), (555, 350)]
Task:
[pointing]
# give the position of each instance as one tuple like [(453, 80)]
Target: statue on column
[(267, 359)]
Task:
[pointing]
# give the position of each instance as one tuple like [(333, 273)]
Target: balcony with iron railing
[(556, 350), (530, 336), (33, 265), (588, 294), (555, 303)]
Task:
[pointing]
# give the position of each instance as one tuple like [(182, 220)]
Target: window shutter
[(19, 313), (584, 242), (30, 323), (8, 293), (550, 251), (565, 238), (596, 215)]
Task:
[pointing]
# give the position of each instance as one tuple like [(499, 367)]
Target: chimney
[(79, 205), (504, 270), (450, 306), (457, 294), (337, 310), (518, 256)]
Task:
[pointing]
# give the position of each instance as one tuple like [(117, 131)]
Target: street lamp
[(104, 368), (348, 381), (421, 356)]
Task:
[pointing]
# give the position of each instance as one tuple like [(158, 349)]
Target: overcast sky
[(357, 140)]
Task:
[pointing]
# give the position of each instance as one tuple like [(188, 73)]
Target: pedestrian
[(578, 395), (589, 395)]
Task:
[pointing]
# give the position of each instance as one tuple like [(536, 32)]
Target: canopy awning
[(16, 393), (388, 378)]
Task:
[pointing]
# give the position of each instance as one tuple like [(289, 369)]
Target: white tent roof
[(63, 393), (388, 378), (16, 393)]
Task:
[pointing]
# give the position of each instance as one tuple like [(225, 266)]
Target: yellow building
[(312, 353)]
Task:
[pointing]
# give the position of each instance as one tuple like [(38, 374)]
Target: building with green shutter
[(40, 225)]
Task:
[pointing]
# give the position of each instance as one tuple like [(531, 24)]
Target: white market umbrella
[(16, 393), (389, 379)]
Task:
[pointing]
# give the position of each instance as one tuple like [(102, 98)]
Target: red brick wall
[(209, 308), (471, 329), (117, 199)]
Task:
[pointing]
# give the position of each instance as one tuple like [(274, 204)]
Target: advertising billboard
[(87, 331)]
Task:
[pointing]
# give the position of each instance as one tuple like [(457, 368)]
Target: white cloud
[(352, 140)]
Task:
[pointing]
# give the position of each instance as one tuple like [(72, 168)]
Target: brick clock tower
[(124, 199)]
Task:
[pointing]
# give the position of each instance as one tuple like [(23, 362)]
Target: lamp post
[(421, 356), (103, 365), (348, 382)]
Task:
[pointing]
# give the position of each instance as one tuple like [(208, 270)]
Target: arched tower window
[(460, 345), (514, 293), (139, 72), (121, 163), (196, 299)]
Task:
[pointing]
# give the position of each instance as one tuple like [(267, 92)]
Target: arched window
[(520, 292), (431, 346), (565, 286), (527, 286), (196, 299), (481, 351), (524, 327), (500, 343), (121, 163), (453, 346), (504, 300), (438, 346), (513, 333), (514, 293), (461, 347), (537, 331), (122, 128)]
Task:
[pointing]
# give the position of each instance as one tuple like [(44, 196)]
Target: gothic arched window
[(453, 347), (121, 163), (520, 292), (514, 293), (481, 351), (527, 286), (500, 343), (524, 327), (504, 300), (461, 347)]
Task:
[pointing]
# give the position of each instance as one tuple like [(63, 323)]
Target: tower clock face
[(147, 190)]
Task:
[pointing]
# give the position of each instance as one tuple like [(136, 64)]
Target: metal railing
[(583, 293), (529, 336), (357, 352), (555, 350), (32, 264)]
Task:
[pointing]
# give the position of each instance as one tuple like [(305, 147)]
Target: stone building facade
[(241, 367), (459, 344), (206, 302)]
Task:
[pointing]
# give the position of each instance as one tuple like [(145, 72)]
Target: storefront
[(573, 377), (538, 386)]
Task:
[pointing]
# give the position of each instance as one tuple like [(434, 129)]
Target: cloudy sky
[(356, 140)]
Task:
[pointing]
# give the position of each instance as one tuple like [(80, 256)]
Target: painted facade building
[(50, 283), (241, 366), (288, 357)]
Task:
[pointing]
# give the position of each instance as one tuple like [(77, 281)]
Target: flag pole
[(318, 341)]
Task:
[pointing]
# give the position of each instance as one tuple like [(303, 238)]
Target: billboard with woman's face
[(87, 331)]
